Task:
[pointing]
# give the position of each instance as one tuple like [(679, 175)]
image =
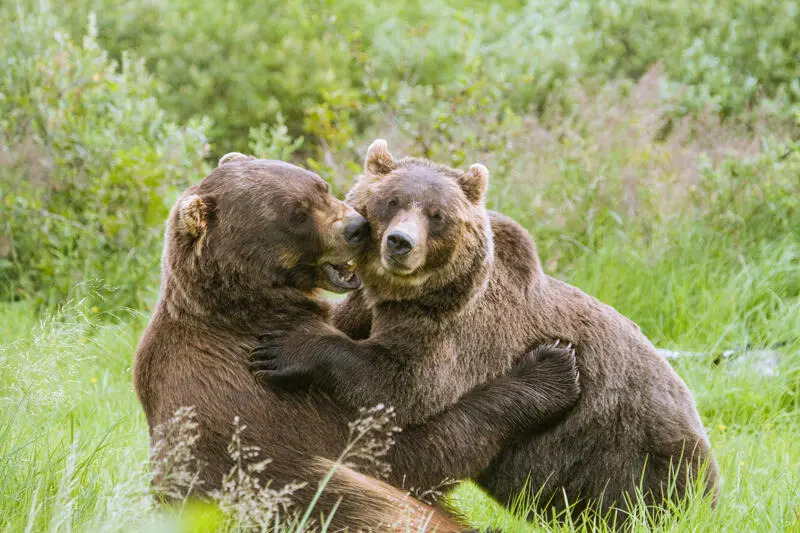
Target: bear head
[(254, 225), (429, 226)]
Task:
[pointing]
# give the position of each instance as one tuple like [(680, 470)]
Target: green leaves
[(89, 156), (591, 112)]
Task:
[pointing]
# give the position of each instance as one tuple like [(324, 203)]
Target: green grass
[(73, 439), (687, 224)]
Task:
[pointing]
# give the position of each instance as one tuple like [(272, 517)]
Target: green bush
[(755, 201), (597, 119), (446, 70), (241, 63), (723, 54), (609, 170), (89, 164)]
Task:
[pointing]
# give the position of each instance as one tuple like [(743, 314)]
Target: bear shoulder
[(514, 250)]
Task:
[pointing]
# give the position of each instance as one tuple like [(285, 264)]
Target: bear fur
[(458, 309), (249, 247)]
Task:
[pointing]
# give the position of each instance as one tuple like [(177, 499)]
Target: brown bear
[(451, 295), (249, 246)]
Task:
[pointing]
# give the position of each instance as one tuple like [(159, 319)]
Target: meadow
[(651, 149)]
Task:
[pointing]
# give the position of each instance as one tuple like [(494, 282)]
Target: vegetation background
[(650, 147)]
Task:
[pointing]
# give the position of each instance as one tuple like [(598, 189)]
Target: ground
[(74, 440), (650, 147)]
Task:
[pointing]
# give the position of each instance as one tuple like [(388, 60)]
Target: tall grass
[(687, 223), (73, 439)]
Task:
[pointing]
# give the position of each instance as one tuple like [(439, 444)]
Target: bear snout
[(399, 243), (356, 229)]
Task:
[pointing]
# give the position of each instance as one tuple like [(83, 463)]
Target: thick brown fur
[(244, 250), (459, 308)]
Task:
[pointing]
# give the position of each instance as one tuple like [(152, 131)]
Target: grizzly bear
[(248, 247), (451, 295)]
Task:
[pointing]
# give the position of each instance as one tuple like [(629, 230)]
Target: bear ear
[(474, 182), (194, 214), (378, 161), (233, 156)]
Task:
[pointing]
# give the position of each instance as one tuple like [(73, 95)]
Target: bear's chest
[(482, 344)]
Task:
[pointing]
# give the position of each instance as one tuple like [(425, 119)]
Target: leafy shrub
[(723, 54), (758, 200), (274, 142), (448, 70), (608, 169), (586, 139), (241, 63), (89, 164)]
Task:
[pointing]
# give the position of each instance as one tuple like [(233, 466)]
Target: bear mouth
[(342, 275), (395, 267)]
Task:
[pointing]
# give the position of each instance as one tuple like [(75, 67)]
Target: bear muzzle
[(356, 229), (403, 245)]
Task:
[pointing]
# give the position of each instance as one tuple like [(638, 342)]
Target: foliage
[(650, 147), (88, 164), (543, 92), (241, 63), (613, 168), (274, 142), (724, 54), (508, 84), (74, 440)]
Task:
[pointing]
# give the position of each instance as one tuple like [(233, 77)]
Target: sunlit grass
[(701, 297), (73, 438)]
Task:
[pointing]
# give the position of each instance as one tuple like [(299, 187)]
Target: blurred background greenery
[(650, 147), (597, 118)]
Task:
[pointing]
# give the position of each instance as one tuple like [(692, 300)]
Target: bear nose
[(356, 229), (399, 243)]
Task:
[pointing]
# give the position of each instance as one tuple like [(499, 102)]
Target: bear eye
[(393, 202), (299, 216), (436, 216)]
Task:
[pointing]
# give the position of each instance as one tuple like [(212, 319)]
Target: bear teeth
[(342, 276)]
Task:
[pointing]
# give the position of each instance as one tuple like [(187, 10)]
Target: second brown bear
[(452, 295)]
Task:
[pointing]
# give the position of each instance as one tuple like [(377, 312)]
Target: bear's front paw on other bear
[(274, 364), (554, 364)]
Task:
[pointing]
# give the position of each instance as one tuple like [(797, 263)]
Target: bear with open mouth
[(247, 248)]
